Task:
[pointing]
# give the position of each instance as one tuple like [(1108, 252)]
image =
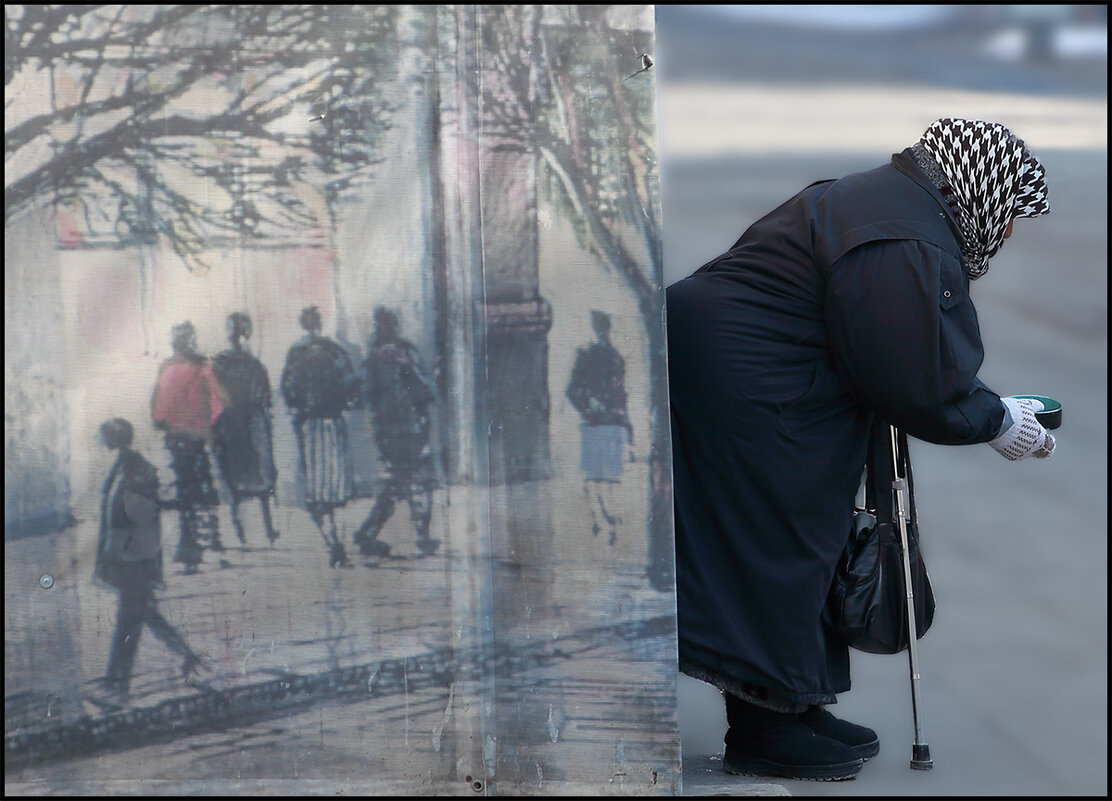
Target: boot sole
[(818, 773)]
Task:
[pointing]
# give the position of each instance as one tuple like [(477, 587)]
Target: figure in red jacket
[(187, 401)]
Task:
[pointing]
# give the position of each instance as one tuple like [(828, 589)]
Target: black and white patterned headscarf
[(993, 177)]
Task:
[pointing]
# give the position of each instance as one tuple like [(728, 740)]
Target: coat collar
[(905, 163)]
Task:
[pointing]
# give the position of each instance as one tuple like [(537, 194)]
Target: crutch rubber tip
[(921, 757)]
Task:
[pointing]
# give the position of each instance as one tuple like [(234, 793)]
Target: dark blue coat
[(848, 300)]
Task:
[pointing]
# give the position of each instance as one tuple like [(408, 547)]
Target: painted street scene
[(336, 441)]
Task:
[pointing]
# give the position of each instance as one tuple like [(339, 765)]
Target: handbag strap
[(881, 469)]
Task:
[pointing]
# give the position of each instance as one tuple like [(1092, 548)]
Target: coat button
[(946, 294)]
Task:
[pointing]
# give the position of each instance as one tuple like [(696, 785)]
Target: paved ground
[(331, 678)]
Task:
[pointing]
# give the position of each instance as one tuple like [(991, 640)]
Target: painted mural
[(336, 432)]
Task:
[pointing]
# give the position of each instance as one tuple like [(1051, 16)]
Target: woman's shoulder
[(881, 204)]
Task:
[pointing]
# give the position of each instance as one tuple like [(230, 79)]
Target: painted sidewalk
[(373, 672)]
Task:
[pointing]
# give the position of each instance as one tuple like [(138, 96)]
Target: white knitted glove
[(1025, 436)]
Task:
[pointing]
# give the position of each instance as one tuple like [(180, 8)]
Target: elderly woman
[(849, 301)]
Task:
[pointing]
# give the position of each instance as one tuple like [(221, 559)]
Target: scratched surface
[(469, 195)]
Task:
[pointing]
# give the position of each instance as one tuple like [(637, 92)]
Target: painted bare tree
[(194, 126), (195, 123), (576, 102)]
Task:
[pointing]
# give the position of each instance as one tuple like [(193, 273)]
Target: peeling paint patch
[(555, 722), (438, 730)]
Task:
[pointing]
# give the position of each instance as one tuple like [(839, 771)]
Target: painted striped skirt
[(325, 461)]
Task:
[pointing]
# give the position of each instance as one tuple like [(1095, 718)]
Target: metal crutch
[(920, 751)]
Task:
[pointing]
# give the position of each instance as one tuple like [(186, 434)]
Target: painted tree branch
[(126, 89)]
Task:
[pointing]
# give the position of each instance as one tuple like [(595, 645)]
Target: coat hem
[(753, 693)]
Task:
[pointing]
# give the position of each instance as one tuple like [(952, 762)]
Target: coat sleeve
[(578, 389), (347, 385), (416, 379), (217, 394), (904, 337)]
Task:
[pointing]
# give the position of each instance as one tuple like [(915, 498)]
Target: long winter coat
[(242, 437), (846, 301), (398, 393)]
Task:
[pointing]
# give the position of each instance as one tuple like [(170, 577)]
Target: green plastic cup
[(1050, 417)]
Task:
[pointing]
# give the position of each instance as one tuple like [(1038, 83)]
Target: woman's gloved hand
[(1025, 436)]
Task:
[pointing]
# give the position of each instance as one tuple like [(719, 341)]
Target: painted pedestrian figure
[(129, 557), (399, 395), (242, 437), (319, 384), (187, 401), (597, 391)]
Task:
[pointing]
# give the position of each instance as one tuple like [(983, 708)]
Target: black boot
[(761, 742), (337, 556), (861, 739), (190, 665), (373, 547)]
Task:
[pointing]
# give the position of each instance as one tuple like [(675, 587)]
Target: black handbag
[(867, 604)]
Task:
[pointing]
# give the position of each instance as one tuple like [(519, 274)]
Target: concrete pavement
[(343, 675)]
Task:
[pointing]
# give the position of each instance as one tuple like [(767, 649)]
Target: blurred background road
[(756, 102)]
